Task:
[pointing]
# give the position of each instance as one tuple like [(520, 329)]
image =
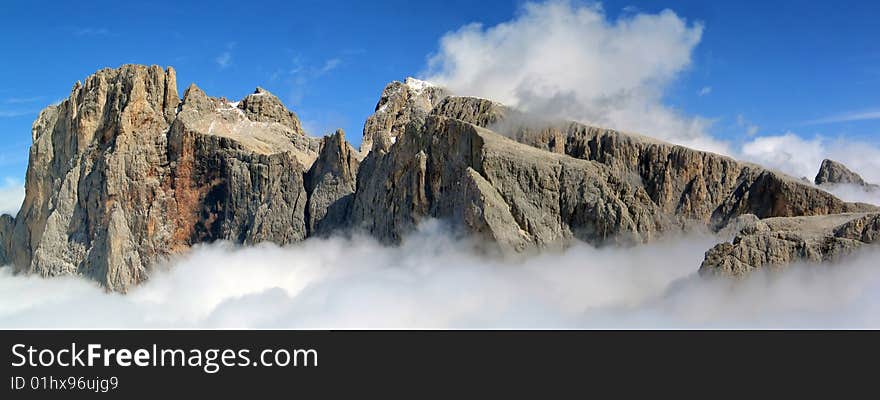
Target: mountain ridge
[(124, 174)]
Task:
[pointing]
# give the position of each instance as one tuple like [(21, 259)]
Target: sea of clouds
[(435, 281)]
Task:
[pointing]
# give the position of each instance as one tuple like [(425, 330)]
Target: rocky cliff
[(124, 174), (834, 173), (778, 242)]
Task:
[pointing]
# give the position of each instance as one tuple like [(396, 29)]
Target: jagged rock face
[(234, 178), (518, 196), (401, 103), (94, 178), (262, 106), (118, 179), (688, 184), (834, 173), (778, 242), (124, 174), (331, 183)]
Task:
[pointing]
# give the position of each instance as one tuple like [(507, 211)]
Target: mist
[(433, 281), (11, 196)]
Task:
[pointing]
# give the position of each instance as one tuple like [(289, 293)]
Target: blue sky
[(801, 66)]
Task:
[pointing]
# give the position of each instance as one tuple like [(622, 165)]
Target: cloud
[(569, 60), (91, 31), (706, 90), (801, 157), (224, 59), (11, 196), (848, 117), (742, 122), (22, 100), (330, 65), (433, 281), (15, 113)]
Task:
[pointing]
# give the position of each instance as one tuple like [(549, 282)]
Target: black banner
[(40, 364)]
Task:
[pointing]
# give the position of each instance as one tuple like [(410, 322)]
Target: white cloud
[(742, 122), (801, 157), (330, 65), (224, 59), (11, 196), (91, 31), (705, 91), (568, 60), (848, 117), (432, 281), (22, 100)]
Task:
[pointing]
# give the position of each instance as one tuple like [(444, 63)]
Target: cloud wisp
[(869, 115), (11, 196), (433, 281), (569, 60)]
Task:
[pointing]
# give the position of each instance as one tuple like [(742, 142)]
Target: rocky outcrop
[(331, 183), (262, 106), (778, 242), (122, 174), (487, 184), (834, 173), (688, 184), (401, 103), (235, 178)]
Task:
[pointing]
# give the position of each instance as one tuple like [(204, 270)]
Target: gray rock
[(778, 242), (262, 106), (690, 185), (834, 173), (401, 103), (331, 183), (487, 184), (122, 175)]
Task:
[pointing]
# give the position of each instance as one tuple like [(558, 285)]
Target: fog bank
[(433, 281)]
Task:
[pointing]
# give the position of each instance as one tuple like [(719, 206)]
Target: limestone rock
[(401, 103), (331, 184), (490, 185), (122, 175), (779, 242), (691, 185), (834, 173), (234, 178), (262, 106)]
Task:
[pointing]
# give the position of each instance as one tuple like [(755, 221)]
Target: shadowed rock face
[(124, 174), (834, 173), (331, 183)]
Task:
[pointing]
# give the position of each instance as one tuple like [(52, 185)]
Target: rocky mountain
[(779, 242), (124, 174), (834, 173)]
